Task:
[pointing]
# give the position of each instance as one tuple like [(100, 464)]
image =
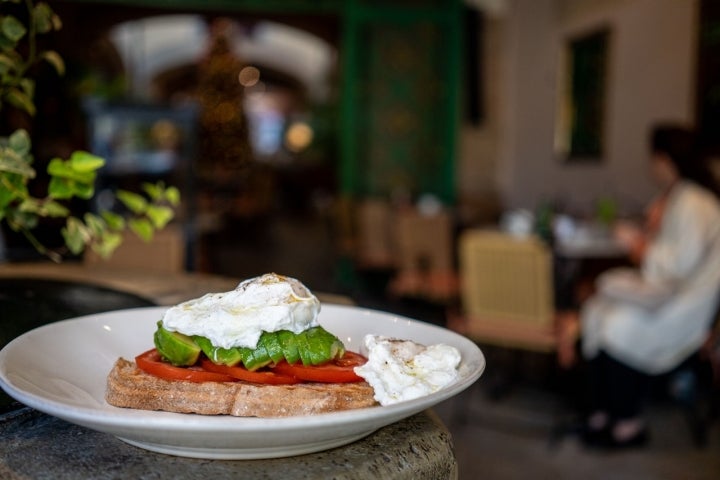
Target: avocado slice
[(219, 355), (272, 345), (323, 346), (288, 342), (255, 358), (318, 346), (175, 347), (314, 346), (304, 348)]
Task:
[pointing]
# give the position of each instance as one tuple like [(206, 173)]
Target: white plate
[(60, 369)]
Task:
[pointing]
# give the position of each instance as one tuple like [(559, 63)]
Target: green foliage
[(103, 233), (69, 178)]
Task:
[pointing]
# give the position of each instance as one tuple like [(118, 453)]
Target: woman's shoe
[(596, 429), (606, 440), (640, 439), (594, 437)]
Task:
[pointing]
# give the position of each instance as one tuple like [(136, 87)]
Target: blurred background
[(355, 144), (305, 122), (301, 122)]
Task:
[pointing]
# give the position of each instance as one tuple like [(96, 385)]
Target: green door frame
[(447, 14)]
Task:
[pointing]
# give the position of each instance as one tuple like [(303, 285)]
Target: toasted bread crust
[(130, 387)]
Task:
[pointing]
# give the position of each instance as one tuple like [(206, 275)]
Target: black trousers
[(615, 388)]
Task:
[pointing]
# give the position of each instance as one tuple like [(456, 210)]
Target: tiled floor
[(506, 438)]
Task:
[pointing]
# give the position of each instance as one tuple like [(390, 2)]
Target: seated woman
[(649, 322)]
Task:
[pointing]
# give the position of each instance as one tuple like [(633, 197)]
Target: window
[(581, 119)]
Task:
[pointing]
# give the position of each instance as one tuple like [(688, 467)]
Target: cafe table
[(580, 259), (35, 445)]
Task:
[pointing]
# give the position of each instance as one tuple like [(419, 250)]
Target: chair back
[(507, 289), (425, 263), (375, 244), (424, 241)]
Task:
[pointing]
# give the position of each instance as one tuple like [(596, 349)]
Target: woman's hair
[(680, 145)]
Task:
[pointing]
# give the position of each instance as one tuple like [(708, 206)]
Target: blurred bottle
[(544, 223), (606, 211)]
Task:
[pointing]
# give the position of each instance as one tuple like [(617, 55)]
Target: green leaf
[(57, 167), (64, 188), (54, 59), (29, 205), (15, 56), (7, 45), (19, 99), (55, 209), (95, 224), (158, 193), (11, 161), (12, 187), (134, 202), (19, 141), (107, 244), (113, 220), (19, 220), (84, 190), (142, 228), (61, 188), (43, 208), (159, 215), (65, 169), (75, 235), (8, 64), (27, 85), (12, 28), (56, 22), (42, 16), (6, 196), (85, 162), (154, 190), (172, 195)]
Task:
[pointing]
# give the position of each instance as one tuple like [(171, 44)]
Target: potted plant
[(70, 178)]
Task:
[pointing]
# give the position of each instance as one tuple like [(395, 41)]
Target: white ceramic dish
[(60, 369)]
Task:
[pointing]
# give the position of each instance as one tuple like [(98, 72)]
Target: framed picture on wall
[(580, 131)]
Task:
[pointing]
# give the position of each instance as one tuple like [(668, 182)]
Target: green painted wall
[(401, 78)]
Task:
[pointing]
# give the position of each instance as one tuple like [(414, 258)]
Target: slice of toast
[(130, 387)]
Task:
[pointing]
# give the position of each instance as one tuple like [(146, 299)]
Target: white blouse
[(683, 258)]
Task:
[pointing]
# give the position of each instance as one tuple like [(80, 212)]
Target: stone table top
[(35, 445)]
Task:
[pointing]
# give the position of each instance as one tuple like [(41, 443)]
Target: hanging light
[(249, 76), (298, 137)]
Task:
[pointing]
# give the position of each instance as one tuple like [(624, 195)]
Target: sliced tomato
[(338, 371), (151, 362), (241, 373)]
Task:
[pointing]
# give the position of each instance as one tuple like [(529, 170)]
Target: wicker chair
[(424, 257), (506, 291)]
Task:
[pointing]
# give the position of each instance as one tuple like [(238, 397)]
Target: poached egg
[(237, 318), (400, 370)]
